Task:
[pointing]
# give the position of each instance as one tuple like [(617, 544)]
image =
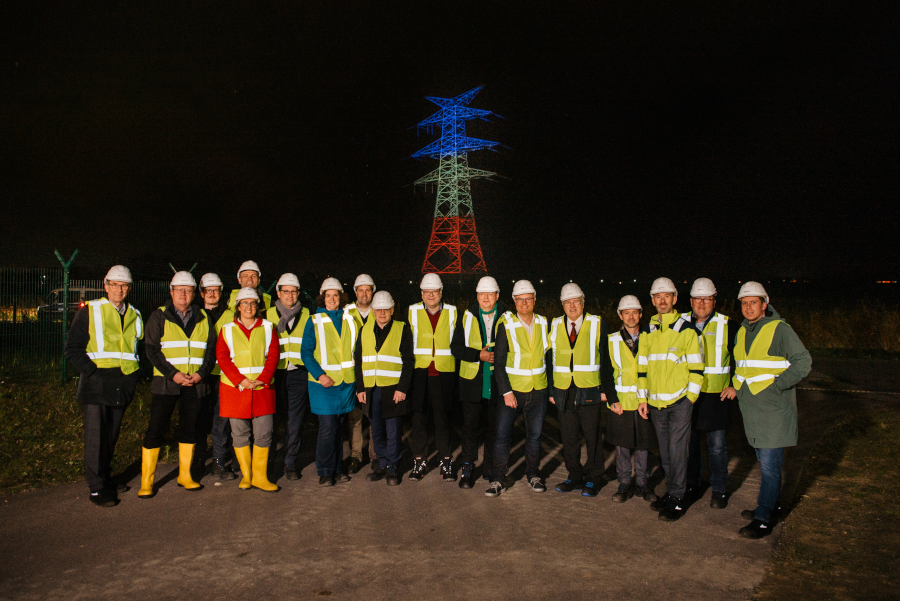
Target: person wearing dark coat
[(381, 387), (473, 347)]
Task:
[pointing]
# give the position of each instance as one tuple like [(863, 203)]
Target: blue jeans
[(770, 461), (330, 444), (534, 405), (718, 460), (296, 390), (386, 433)]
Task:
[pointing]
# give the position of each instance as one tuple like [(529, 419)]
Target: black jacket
[(586, 396), (710, 411), (388, 407), (97, 386), (471, 390), (155, 327), (418, 393)]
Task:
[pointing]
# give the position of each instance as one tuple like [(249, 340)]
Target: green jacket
[(770, 417)]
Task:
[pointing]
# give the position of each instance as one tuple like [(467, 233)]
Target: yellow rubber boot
[(185, 457), (260, 465), (148, 472), (243, 457)]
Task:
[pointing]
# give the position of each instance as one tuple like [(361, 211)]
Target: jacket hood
[(771, 315), (665, 321)]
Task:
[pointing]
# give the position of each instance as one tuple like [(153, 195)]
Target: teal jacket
[(770, 417)]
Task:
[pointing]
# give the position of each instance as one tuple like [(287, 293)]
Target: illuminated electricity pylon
[(454, 246)]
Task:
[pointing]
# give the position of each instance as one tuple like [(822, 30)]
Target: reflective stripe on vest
[(584, 357), (183, 352), (226, 317), (335, 353), (433, 345), (717, 362), (758, 369), (289, 341), (525, 364), (384, 367), (248, 355), (113, 343), (625, 375)]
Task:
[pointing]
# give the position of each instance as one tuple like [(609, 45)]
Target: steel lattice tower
[(454, 246)]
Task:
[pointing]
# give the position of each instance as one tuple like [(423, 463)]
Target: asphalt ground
[(425, 540)]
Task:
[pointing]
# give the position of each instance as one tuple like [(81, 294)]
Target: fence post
[(65, 307)]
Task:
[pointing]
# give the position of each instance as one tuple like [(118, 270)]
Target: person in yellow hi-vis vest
[(364, 289), (248, 276), (770, 361), (104, 345), (329, 340), (521, 370), (434, 380), (631, 433), (384, 365), (181, 346)]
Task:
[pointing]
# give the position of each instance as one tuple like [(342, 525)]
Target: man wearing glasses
[(103, 344), (712, 411), (521, 372)]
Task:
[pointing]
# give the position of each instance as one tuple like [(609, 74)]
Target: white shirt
[(578, 323)]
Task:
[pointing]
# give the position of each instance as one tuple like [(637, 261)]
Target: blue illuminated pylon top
[(452, 120)]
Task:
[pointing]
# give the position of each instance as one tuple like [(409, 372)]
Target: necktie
[(572, 334)]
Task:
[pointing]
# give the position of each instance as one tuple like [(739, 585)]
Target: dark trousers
[(209, 422), (472, 418), (386, 433), (419, 436), (673, 430), (575, 421), (533, 405), (292, 398), (330, 444), (718, 459), (101, 433), (161, 409)]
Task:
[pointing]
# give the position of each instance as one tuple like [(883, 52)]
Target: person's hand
[(552, 402), (182, 380), (644, 411), (510, 399), (361, 396), (246, 384), (326, 381), (254, 384), (399, 396), (603, 396), (195, 378), (729, 393), (616, 408), (486, 355)]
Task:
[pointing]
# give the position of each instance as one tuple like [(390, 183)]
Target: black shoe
[(647, 494), (624, 493), (104, 498), (392, 478), (495, 489), (326, 481), (465, 475), (447, 470), (418, 470), (719, 500), (342, 477), (118, 487), (673, 511), (222, 471), (660, 503), (750, 514), (590, 490), (290, 472), (376, 474), (569, 485), (755, 529), (354, 465), (536, 485)]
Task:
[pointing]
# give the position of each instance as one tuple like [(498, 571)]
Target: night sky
[(722, 139)]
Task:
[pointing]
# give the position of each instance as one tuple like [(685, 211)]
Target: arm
[(730, 392), (308, 349), (209, 359), (694, 363), (153, 348), (76, 343), (501, 350), (357, 368), (272, 358), (787, 344), (409, 361)]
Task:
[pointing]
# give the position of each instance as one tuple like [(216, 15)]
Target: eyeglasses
[(524, 300), (248, 304), (574, 302), (118, 286), (705, 300), (294, 292), (431, 292)]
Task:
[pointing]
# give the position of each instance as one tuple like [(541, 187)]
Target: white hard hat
[(287, 279), (118, 273), (249, 266), (662, 285), (330, 284), (246, 293), (431, 281), (570, 291), (753, 289), (364, 279), (523, 287), (382, 300), (487, 284), (703, 287), (210, 279), (182, 278), (629, 301)]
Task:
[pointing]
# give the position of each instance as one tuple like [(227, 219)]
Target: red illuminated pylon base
[(454, 247)]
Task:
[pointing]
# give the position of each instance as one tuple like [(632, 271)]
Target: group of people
[(232, 368)]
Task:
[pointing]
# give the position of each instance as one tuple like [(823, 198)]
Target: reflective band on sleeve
[(642, 360), (693, 387), (718, 370), (693, 358), (759, 378)]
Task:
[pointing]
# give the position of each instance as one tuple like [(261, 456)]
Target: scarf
[(286, 315)]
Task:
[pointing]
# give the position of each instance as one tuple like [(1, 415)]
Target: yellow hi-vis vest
[(424, 337), (758, 368), (624, 371), (525, 364), (714, 349), (584, 358), (112, 343), (290, 341), (335, 353), (249, 355), (472, 336), (266, 299), (384, 367), (184, 353), (226, 317), (669, 356), (354, 311)]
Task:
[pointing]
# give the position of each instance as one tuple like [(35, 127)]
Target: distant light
[(634, 280), (601, 281), (410, 281), (570, 281), (542, 281)]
